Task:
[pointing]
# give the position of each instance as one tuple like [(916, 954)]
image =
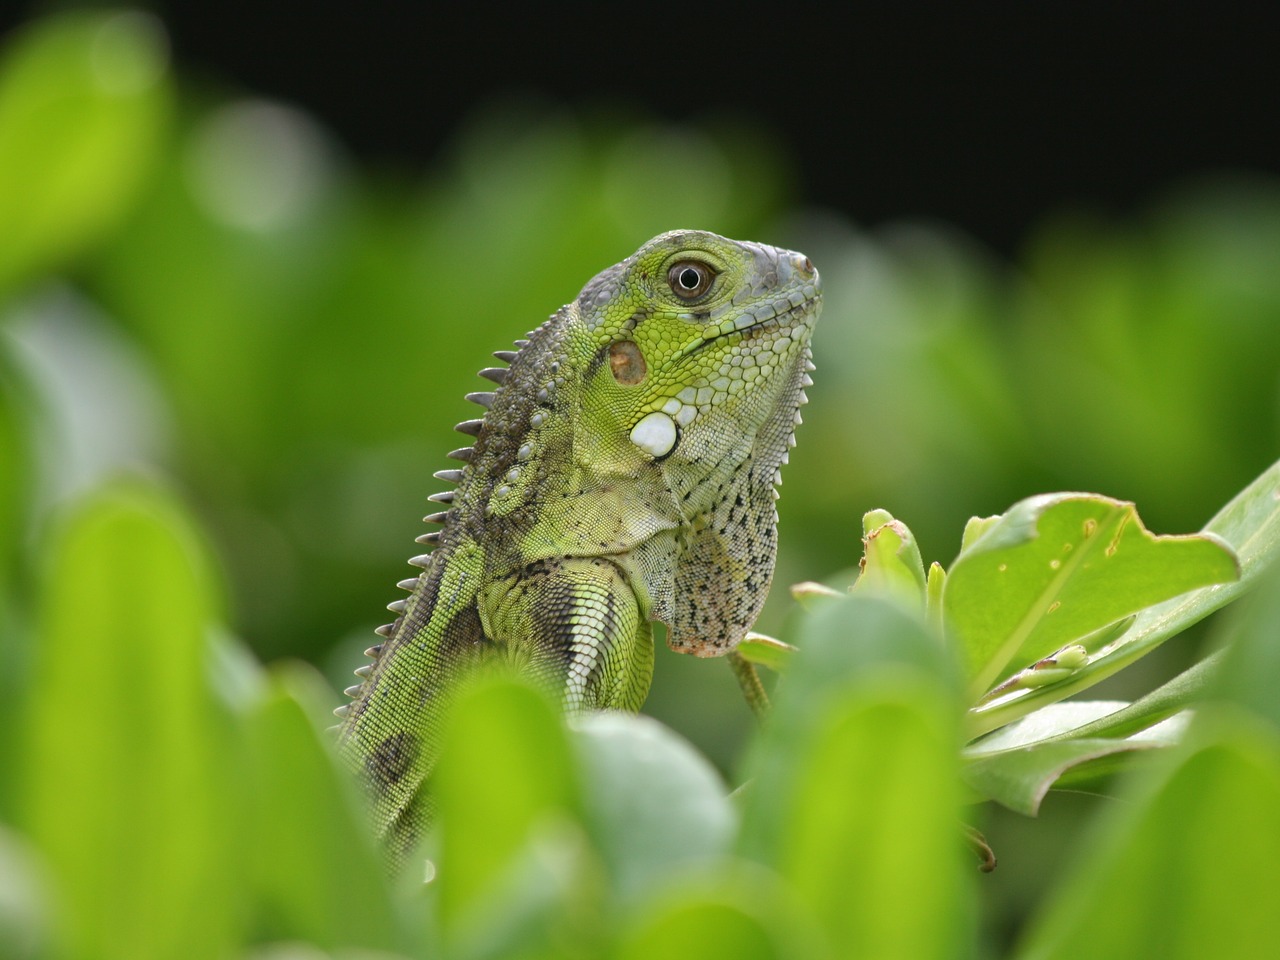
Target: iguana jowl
[(624, 471)]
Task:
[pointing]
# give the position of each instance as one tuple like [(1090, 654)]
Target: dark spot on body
[(392, 759)]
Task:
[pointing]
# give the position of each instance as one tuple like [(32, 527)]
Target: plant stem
[(750, 683)]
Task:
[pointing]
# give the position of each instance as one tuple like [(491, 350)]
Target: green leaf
[(870, 841), (934, 588), (1020, 778), (1048, 723), (16, 479), (505, 767), (1250, 673), (974, 528), (1169, 874), (306, 828), (766, 651), (654, 806), (24, 913), (1059, 567), (545, 898), (125, 787), (1165, 701), (1066, 743), (891, 564), (1250, 524), (855, 790), (83, 100), (17, 484), (743, 917)]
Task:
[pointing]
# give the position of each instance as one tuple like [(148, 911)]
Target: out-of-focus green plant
[(82, 101), (180, 801), (205, 288)]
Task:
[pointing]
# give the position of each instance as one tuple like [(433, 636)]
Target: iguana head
[(700, 342), (646, 422), (694, 355)]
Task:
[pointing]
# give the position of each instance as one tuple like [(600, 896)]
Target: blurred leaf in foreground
[(728, 919), (654, 806), (1168, 876), (504, 778), (125, 783), (855, 796), (316, 874)]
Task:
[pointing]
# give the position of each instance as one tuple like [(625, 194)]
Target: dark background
[(983, 116)]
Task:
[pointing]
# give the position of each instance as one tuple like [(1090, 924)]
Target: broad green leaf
[(1098, 775), (1059, 567), (974, 528), (505, 767), (653, 805), (125, 787), (737, 917), (1250, 671), (870, 840), (546, 897), (293, 950), (842, 638), (1020, 778), (810, 595), (24, 913), (83, 100), (17, 483), (1185, 871), (855, 789), (891, 564), (698, 930), (1048, 723), (766, 651), (304, 829), (1250, 524), (1161, 703), (16, 476)]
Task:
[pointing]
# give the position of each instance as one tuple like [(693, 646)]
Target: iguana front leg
[(574, 626)]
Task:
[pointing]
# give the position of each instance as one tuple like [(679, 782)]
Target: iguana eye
[(690, 279)]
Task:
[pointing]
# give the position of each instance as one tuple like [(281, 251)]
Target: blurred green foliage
[(203, 288)]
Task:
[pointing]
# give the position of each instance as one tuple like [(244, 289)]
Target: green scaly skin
[(624, 472)]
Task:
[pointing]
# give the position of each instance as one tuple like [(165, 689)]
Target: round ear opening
[(627, 363)]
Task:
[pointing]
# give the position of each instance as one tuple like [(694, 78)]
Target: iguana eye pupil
[(690, 280)]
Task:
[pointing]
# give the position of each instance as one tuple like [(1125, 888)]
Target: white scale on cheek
[(682, 413), (655, 434)]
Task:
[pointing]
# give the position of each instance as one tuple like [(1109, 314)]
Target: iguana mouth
[(806, 305)]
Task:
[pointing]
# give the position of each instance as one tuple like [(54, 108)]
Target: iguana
[(624, 471)]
